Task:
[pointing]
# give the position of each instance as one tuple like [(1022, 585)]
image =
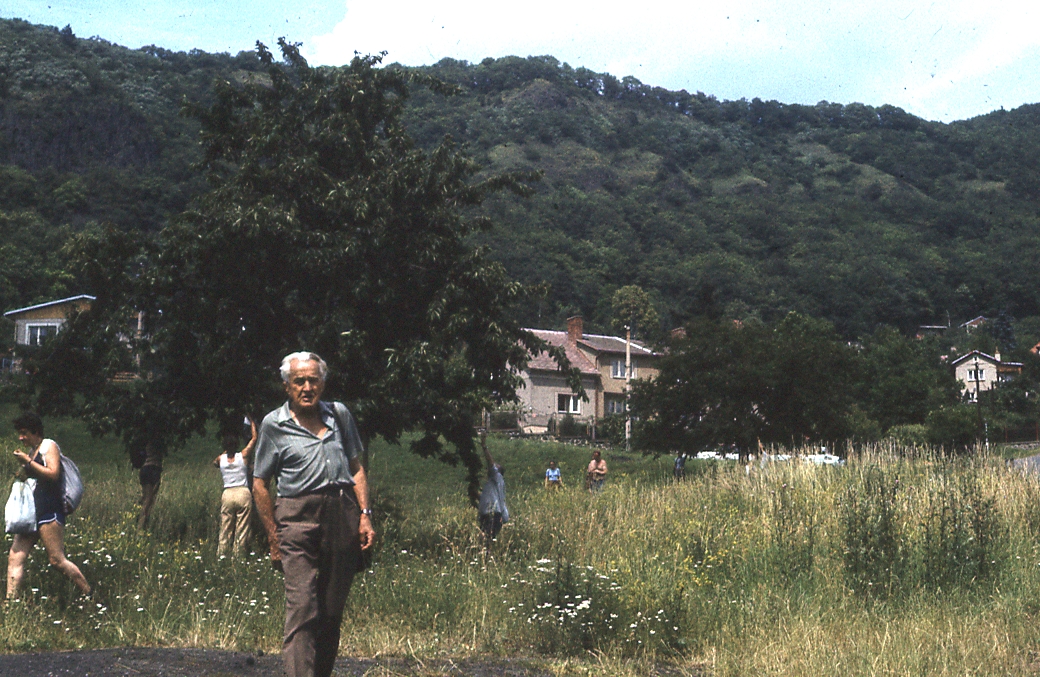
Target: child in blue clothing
[(553, 478)]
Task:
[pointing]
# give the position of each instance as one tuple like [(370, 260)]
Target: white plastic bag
[(20, 512)]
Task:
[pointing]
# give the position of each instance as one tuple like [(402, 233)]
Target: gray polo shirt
[(300, 460)]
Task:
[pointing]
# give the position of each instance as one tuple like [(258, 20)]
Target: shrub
[(504, 420), (954, 428), (574, 609), (612, 429), (568, 427), (793, 533), (871, 537), (962, 533), (908, 435)]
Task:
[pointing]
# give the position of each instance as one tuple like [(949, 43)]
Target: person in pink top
[(596, 474)]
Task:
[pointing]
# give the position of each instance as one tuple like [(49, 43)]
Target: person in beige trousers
[(236, 503)]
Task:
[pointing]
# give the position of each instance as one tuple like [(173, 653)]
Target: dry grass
[(733, 572)]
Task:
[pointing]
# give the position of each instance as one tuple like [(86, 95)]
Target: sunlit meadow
[(893, 565)]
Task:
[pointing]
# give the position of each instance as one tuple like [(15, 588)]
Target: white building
[(979, 372)]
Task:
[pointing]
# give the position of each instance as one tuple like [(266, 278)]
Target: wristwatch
[(367, 511)]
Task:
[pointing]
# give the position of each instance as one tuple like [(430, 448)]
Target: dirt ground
[(149, 662)]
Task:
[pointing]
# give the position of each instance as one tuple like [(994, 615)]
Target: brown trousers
[(318, 535)]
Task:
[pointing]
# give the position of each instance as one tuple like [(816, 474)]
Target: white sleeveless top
[(234, 473)]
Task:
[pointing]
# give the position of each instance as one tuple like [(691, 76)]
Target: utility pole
[(978, 404), (628, 384)]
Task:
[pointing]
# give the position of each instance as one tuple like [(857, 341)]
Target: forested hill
[(856, 214)]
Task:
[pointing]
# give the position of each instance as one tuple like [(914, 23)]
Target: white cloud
[(941, 59), (912, 54)]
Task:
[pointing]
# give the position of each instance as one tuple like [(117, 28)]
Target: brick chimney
[(574, 329)]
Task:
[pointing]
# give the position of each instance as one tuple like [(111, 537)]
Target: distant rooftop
[(596, 342), (70, 299)]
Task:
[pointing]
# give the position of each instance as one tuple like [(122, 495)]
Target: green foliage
[(910, 435), (794, 525), (857, 214), (963, 536), (325, 229), (745, 209), (574, 609), (955, 428), (872, 539), (612, 429), (568, 426), (724, 383), (649, 571), (901, 380), (504, 420), (633, 310)]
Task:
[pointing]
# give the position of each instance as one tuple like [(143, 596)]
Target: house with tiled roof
[(979, 372), (601, 361)]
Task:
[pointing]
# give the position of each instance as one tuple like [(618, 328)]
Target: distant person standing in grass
[(596, 474), (492, 512), (553, 477), (321, 521), (236, 502), (150, 477), (42, 463), (679, 471)]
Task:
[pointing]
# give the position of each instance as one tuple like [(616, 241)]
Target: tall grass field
[(898, 563)]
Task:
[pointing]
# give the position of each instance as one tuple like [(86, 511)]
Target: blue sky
[(939, 60)]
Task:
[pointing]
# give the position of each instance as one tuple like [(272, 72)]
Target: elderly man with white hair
[(321, 520)]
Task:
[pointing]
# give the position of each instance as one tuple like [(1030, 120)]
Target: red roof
[(543, 362), (594, 342)]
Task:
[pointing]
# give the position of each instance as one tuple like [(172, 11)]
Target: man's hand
[(366, 533), (265, 509), (276, 556)]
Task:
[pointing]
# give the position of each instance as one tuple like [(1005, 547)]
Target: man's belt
[(337, 490)]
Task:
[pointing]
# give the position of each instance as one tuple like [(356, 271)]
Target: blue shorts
[(46, 517)]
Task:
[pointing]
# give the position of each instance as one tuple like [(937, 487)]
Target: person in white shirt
[(492, 512), (236, 503)]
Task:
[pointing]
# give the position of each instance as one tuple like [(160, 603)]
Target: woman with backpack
[(42, 463)]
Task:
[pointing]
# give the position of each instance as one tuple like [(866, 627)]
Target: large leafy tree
[(708, 392), (325, 229), (730, 383), (901, 380)]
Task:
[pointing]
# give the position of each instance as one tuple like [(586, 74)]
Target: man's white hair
[(304, 356)]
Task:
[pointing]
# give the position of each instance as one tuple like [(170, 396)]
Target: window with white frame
[(568, 404), (617, 368), (614, 406), (36, 334), (976, 374)]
